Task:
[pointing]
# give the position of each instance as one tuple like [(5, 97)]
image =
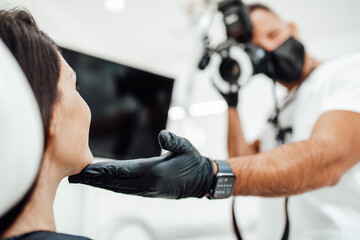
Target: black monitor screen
[(129, 106)]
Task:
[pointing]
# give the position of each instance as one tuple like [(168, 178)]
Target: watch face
[(224, 186)]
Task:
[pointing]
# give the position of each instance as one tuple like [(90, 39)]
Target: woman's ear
[(53, 129), (294, 30), (54, 126)]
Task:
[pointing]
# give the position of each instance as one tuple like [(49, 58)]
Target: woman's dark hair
[(37, 55)]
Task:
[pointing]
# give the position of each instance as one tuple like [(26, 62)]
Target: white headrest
[(21, 135)]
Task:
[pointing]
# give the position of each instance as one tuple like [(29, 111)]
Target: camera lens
[(230, 70)]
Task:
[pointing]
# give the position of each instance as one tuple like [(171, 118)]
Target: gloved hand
[(232, 97), (180, 173)]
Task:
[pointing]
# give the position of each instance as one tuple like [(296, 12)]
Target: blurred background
[(161, 40)]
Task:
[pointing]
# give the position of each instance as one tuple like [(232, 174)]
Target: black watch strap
[(223, 166), (223, 183)]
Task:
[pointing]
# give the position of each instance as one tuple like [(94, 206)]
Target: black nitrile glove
[(231, 98), (181, 173)]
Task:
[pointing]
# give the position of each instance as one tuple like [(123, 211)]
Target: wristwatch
[(223, 183)]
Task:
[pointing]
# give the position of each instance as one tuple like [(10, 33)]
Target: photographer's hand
[(232, 97), (181, 173)]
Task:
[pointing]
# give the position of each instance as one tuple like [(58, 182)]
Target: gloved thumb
[(173, 143)]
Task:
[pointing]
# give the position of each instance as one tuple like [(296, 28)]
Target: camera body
[(239, 32), (236, 19)]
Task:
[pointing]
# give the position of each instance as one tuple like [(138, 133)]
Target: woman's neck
[(38, 212)]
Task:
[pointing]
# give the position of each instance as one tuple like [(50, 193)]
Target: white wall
[(156, 35)]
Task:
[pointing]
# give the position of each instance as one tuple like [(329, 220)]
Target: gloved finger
[(82, 177), (75, 178), (173, 143), (133, 186), (116, 170), (130, 189), (79, 178), (217, 88), (97, 170)]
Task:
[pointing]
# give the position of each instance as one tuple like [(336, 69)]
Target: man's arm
[(333, 148), (236, 143)]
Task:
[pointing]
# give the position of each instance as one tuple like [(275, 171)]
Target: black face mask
[(287, 61)]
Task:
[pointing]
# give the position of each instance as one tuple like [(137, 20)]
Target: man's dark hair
[(255, 6), (38, 58)]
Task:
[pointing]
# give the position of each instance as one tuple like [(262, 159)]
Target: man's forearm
[(290, 169), (237, 145)]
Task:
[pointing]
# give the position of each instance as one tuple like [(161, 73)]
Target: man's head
[(270, 33)]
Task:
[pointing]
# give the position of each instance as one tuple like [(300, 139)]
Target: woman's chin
[(90, 157), (87, 160)]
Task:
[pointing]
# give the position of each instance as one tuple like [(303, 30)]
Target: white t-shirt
[(330, 212)]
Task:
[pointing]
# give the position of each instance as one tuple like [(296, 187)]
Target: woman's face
[(69, 128)]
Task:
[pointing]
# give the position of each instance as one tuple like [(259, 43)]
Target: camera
[(236, 19), (240, 59)]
